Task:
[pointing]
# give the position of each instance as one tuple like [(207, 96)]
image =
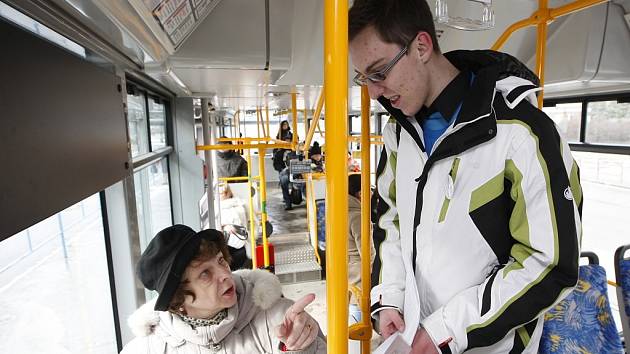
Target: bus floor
[(292, 222)]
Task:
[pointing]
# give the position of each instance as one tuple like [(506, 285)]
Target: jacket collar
[(447, 101), (475, 123)]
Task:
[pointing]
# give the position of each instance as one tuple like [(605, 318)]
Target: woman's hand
[(299, 329)]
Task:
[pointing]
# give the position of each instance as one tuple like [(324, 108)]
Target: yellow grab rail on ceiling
[(541, 18)]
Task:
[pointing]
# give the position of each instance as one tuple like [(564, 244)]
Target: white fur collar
[(266, 290)]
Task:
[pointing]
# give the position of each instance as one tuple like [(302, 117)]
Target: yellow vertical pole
[(315, 121), (541, 43), (258, 120), (294, 114), (336, 90), (263, 203), (267, 116), (366, 235), (252, 225), (305, 124)]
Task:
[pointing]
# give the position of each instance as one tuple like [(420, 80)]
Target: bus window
[(605, 182), (567, 117), (608, 122), (55, 283)]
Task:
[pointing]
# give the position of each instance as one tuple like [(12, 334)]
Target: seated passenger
[(354, 240), (230, 163), (204, 308), (234, 222), (315, 154), (281, 160)]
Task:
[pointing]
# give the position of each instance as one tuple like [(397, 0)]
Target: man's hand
[(389, 322), (299, 329), (422, 343)]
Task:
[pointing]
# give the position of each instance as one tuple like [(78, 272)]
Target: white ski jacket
[(483, 234)]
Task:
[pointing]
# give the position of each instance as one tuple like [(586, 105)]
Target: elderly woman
[(203, 307)]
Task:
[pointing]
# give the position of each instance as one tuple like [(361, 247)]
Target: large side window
[(153, 200), (54, 285), (567, 117), (608, 122), (596, 128), (147, 116)]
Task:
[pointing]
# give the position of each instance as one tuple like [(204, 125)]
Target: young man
[(483, 224)]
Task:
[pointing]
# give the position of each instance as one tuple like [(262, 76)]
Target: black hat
[(162, 264), (315, 149)]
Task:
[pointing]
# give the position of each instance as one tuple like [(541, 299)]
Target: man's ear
[(423, 45)]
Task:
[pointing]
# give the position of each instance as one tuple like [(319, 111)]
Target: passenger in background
[(353, 165), (354, 241), (315, 154), (281, 158), (234, 222), (284, 131), (203, 307), (230, 163)]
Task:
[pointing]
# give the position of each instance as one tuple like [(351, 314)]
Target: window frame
[(582, 145)]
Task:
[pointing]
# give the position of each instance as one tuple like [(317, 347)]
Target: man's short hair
[(395, 21)]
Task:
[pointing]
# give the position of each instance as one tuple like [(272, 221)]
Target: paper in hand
[(395, 344)]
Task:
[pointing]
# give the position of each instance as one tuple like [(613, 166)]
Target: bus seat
[(582, 322), (622, 275), (320, 206)]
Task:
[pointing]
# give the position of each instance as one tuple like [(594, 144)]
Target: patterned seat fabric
[(582, 322), (624, 282), (320, 205)]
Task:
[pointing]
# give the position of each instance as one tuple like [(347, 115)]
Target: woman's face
[(284, 126), (212, 283)]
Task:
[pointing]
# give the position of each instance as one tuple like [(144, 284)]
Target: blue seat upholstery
[(320, 205), (582, 322), (622, 273)]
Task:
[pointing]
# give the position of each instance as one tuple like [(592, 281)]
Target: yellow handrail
[(243, 178), (267, 121), (263, 203), (314, 122), (294, 121), (541, 18), (336, 86), (252, 225), (366, 234), (283, 145), (262, 139)]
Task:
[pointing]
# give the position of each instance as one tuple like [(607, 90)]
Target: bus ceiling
[(239, 50)]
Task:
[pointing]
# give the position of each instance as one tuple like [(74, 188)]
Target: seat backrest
[(622, 274), (583, 321), (320, 205)]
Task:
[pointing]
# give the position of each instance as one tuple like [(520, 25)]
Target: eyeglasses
[(380, 75)]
